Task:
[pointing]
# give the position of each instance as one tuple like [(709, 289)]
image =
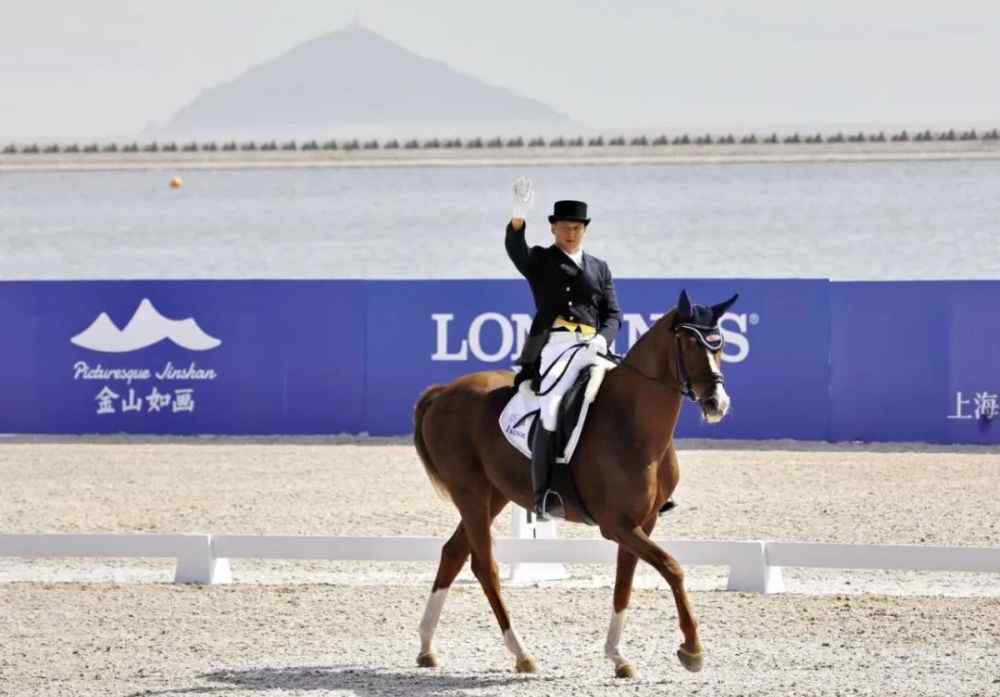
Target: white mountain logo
[(146, 328)]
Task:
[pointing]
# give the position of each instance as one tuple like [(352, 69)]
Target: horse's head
[(698, 355)]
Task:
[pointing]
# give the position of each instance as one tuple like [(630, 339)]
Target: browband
[(709, 337)]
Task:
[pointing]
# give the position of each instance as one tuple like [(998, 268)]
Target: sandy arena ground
[(117, 627)]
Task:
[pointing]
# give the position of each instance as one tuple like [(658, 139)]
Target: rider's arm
[(517, 248), (611, 314)]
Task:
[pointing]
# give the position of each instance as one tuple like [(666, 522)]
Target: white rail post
[(198, 564), (749, 571), (525, 526)]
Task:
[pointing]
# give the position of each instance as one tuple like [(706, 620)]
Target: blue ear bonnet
[(702, 321), (700, 316), (704, 327)]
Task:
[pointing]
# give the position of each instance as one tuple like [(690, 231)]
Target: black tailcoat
[(561, 288)]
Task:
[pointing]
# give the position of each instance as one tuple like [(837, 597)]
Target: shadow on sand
[(360, 680)]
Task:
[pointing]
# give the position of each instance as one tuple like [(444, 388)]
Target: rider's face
[(569, 235)]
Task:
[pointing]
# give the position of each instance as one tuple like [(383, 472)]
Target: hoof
[(526, 665), (692, 661), (427, 660), (624, 670)]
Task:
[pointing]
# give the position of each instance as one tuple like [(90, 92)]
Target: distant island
[(353, 98), (356, 81)]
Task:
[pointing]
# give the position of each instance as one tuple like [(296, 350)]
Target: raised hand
[(524, 198)]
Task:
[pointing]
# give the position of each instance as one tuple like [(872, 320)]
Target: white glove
[(524, 197), (598, 345)]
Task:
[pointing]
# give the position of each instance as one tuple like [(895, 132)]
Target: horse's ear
[(684, 306), (720, 309)]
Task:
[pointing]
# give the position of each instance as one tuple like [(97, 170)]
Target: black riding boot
[(542, 454)]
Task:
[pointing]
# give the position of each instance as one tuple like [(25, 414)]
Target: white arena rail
[(745, 559), (888, 557), (753, 566), (195, 561)]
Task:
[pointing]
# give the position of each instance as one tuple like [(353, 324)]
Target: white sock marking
[(513, 643), (611, 648), (431, 616)]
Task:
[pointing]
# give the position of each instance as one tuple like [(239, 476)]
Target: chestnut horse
[(625, 467)]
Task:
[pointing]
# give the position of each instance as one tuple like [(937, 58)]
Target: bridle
[(710, 338)]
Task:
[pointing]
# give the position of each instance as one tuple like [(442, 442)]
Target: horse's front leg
[(638, 542), (624, 575), (623, 592)]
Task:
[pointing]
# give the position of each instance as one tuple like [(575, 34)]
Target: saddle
[(520, 418)]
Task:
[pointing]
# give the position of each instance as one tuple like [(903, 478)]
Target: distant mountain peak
[(354, 80), (353, 29)]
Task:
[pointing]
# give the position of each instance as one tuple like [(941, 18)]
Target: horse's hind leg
[(453, 556), (476, 520), (638, 542)]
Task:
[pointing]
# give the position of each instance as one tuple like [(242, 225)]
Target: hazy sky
[(105, 68)]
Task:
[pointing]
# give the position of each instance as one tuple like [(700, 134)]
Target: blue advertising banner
[(776, 354), (240, 357), (804, 359), (425, 332), (916, 361)]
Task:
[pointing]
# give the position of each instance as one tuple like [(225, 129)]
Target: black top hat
[(570, 210)]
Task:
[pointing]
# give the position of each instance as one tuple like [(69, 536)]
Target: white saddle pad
[(522, 411)]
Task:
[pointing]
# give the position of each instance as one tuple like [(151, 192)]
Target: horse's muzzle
[(716, 405)]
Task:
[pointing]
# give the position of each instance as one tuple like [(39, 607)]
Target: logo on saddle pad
[(492, 337)]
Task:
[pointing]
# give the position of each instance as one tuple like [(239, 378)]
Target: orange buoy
[(176, 183)]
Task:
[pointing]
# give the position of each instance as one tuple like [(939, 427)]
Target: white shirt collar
[(578, 257)]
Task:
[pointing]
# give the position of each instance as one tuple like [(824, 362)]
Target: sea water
[(849, 220)]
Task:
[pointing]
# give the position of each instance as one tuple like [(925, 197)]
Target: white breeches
[(563, 357)]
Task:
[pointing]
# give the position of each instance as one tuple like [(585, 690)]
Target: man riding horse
[(576, 306), (626, 467)]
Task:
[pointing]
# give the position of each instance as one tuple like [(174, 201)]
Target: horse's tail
[(418, 439)]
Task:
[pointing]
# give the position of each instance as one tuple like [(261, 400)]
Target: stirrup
[(543, 447), (541, 511), (539, 507)]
